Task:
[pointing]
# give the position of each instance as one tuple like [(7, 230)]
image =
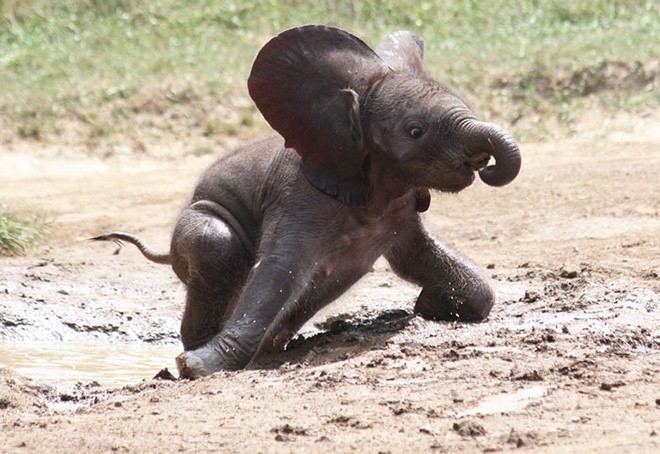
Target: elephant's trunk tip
[(507, 159)]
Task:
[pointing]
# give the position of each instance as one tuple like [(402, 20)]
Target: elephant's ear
[(403, 51), (308, 83)]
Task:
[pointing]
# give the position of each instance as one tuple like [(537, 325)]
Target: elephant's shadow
[(341, 337)]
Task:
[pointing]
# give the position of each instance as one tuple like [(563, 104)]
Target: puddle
[(506, 403), (109, 364)]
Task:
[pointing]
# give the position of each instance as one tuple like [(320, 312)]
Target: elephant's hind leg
[(211, 260)]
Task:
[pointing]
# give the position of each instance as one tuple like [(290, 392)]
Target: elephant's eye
[(416, 132)]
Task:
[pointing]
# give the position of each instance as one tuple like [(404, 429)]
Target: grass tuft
[(17, 236)]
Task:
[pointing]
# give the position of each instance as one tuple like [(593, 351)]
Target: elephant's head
[(342, 106)]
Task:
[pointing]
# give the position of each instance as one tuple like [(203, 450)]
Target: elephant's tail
[(119, 237)]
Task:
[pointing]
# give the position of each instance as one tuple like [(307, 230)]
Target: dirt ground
[(568, 361)]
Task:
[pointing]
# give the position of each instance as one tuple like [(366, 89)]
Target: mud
[(569, 360)]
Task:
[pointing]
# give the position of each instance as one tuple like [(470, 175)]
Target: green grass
[(85, 71), (17, 236)]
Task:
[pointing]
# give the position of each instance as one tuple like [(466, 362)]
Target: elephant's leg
[(273, 284), (209, 257), (204, 313), (321, 291), (452, 287)]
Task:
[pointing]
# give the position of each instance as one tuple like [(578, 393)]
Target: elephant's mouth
[(451, 179), (462, 173), (479, 163), (443, 176), (474, 163)]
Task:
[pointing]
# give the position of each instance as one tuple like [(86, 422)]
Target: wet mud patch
[(338, 338), (18, 392), (46, 300)]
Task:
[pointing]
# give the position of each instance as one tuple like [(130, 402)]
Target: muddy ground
[(568, 361)]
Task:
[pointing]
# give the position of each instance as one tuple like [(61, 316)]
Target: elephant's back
[(245, 180)]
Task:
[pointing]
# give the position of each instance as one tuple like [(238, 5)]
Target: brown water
[(109, 364)]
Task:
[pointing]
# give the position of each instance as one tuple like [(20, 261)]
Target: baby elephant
[(283, 226)]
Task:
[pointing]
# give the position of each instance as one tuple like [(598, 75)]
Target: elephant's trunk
[(492, 139)]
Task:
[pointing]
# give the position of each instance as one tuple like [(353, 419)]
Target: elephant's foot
[(200, 362), (213, 357), (450, 306), (191, 366)]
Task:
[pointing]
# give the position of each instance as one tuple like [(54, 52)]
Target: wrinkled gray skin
[(281, 227)]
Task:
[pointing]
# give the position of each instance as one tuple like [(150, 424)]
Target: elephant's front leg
[(274, 282), (452, 287)]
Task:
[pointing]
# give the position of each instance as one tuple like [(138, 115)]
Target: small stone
[(610, 386), (569, 273), (531, 297), (164, 374), (469, 429), (530, 376)]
